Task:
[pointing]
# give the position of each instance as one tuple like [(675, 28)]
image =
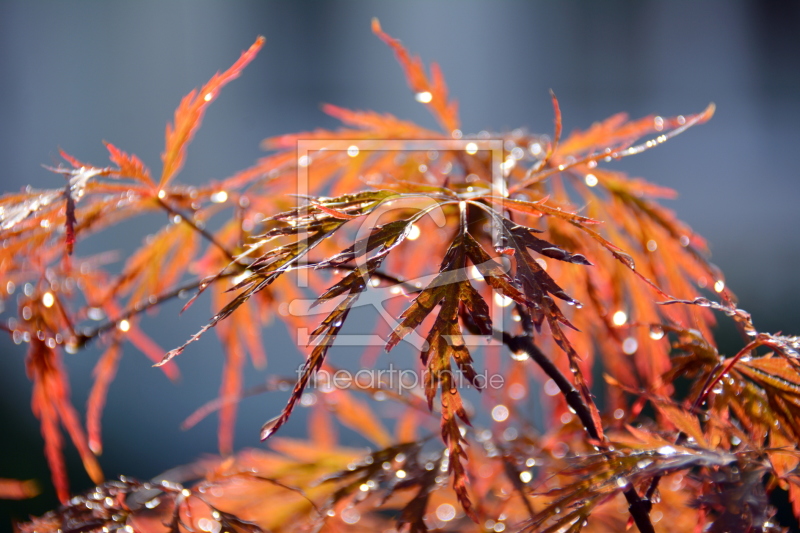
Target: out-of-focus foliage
[(525, 242)]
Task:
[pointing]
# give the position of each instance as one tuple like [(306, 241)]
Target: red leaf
[(190, 113), (13, 489), (104, 373), (72, 161), (50, 403), (130, 166), (435, 90)]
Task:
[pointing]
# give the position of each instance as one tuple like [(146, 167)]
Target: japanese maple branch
[(202, 231), (141, 307), (638, 508), (524, 343)]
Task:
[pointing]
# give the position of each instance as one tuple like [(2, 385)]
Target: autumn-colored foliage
[(520, 244)]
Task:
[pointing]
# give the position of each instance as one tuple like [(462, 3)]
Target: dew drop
[(520, 356), (500, 413), (502, 300), (629, 346), (550, 388), (270, 427), (656, 332), (219, 197), (48, 299), (350, 516), (423, 97)]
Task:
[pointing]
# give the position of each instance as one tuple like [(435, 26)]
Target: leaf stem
[(202, 231)]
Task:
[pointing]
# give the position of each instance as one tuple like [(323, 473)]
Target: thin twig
[(141, 307), (639, 508), (202, 231)]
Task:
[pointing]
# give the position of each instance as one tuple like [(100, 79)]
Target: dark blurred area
[(75, 74)]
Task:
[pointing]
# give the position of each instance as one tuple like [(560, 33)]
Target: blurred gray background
[(74, 74)]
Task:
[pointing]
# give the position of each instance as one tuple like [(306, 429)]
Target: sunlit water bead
[(619, 318), (445, 512), (350, 515), (520, 355), (414, 232), (517, 391), (719, 285), (500, 413), (550, 388), (502, 300), (629, 346), (517, 153), (219, 197), (208, 525), (48, 299), (560, 450), (591, 180), (423, 97), (656, 332)]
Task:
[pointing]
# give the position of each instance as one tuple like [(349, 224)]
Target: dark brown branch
[(639, 508), (141, 307), (202, 231)]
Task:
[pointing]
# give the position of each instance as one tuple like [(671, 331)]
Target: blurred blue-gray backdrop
[(75, 73)]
